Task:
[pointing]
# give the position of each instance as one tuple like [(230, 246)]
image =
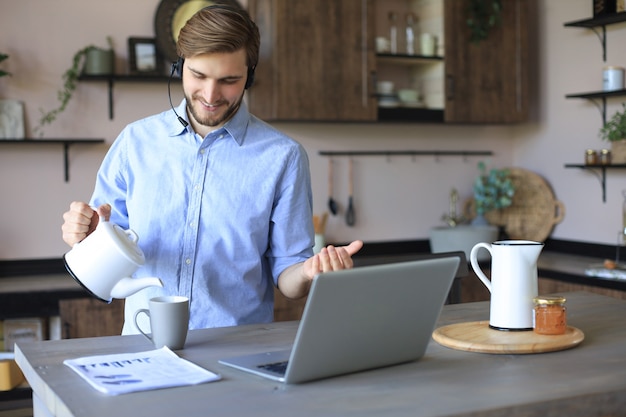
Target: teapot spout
[(129, 286)]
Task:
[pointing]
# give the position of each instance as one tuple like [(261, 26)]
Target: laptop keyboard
[(278, 368)]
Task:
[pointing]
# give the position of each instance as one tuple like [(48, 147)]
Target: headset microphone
[(175, 68)]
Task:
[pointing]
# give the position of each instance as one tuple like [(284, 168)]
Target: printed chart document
[(141, 371)]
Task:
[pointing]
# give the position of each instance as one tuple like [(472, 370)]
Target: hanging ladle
[(332, 204), (350, 209)]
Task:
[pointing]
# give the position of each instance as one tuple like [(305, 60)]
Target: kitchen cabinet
[(487, 81), (317, 63), (316, 60)]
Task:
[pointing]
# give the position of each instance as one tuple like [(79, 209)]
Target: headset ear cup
[(250, 79), (177, 67)]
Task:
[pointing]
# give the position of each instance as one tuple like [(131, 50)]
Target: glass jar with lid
[(550, 315)]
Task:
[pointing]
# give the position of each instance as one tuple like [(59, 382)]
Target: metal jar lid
[(549, 300)]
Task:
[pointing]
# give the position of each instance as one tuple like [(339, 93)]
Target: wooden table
[(589, 380)]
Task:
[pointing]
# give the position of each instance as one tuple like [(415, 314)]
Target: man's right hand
[(80, 220)]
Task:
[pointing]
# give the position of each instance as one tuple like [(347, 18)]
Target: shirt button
[(188, 261), (202, 151)]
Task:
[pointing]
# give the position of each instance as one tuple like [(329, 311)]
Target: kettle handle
[(476, 266), (132, 236)]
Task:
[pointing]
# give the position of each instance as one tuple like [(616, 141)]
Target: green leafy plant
[(493, 190), (2, 58), (70, 82), (615, 128), (483, 15)]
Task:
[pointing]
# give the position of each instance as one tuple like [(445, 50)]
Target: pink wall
[(397, 198)]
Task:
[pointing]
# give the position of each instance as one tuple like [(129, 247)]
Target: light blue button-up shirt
[(218, 218)]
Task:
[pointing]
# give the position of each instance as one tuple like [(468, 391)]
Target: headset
[(177, 69)]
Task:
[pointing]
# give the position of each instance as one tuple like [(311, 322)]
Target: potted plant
[(11, 112), (614, 131), (90, 60), (2, 58), (483, 15), (492, 190)]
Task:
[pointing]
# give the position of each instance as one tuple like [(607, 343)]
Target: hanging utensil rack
[(435, 153)]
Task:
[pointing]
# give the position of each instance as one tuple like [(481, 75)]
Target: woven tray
[(534, 211)]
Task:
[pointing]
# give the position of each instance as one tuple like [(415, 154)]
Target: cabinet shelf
[(601, 176), (66, 147), (113, 78), (408, 114), (408, 59)]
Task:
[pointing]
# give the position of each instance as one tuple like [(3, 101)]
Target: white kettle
[(104, 261)]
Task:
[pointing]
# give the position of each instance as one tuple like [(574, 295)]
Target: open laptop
[(361, 318)]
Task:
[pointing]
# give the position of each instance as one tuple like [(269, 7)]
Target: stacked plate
[(388, 100)]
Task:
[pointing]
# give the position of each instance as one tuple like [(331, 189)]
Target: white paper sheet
[(130, 372)]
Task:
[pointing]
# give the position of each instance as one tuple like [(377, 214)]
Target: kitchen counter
[(571, 268), (588, 380)]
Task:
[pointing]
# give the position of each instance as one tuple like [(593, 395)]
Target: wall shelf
[(436, 153), (112, 79), (601, 175), (602, 95), (593, 24), (66, 147), (599, 22)]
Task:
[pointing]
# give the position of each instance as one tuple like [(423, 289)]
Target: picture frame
[(144, 57)]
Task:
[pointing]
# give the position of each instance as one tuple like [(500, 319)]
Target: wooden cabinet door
[(316, 61), (487, 81), (88, 317)]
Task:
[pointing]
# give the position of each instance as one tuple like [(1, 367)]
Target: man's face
[(213, 85)]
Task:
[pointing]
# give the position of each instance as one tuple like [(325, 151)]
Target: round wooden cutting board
[(477, 336)]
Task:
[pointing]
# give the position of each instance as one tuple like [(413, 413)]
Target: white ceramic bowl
[(384, 87), (407, 95)]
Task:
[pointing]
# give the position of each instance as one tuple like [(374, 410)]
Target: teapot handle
[(476, 266)]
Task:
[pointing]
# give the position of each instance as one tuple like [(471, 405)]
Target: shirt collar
[(236, 126)]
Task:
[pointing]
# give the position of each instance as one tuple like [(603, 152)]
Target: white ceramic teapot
[(104, 261)]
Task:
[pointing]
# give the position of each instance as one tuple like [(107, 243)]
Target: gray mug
[(169, 321)]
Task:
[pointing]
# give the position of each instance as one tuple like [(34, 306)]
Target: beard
[(212, 120)]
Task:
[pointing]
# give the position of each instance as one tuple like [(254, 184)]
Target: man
[(220, 200)]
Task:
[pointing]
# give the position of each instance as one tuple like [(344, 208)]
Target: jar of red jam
[(550, 317)]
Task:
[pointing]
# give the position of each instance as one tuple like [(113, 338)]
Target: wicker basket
[(534, 211)]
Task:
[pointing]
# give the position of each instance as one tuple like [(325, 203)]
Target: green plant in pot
[(90, 60), (483, 15), (2, 72), (614, 131), (493, 190)]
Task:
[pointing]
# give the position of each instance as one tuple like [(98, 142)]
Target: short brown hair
[(220, 28)]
